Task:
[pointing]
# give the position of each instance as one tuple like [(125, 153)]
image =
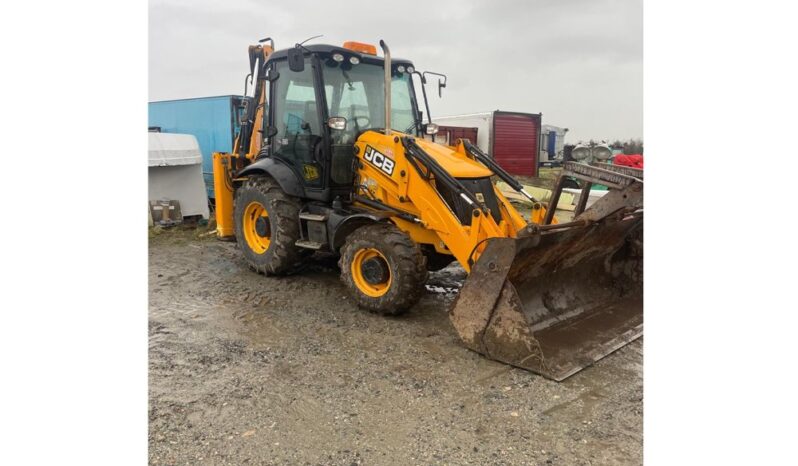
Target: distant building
[(552, 145)]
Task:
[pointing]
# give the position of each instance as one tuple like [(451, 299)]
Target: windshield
[(356, 92)]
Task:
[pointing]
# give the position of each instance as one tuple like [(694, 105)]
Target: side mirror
[(337, 123), (271, 74), (296, 60)]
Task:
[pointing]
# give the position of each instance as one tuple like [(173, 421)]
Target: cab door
[(295, 113)]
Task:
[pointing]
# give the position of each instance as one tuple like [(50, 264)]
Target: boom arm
[(247, 143), (250, 138)]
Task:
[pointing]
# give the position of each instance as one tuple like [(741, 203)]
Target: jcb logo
[(379, 160)]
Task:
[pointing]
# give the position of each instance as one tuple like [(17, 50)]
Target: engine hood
[(457, 164)]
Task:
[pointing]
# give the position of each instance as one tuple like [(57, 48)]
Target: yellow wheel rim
[(369, 288), (257, 232)]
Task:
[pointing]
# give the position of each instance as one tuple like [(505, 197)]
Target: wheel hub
[(256, 227), (375, 270), (262, 227)]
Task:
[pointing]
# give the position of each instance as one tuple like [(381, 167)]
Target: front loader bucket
[(559, 297), (556, 302)]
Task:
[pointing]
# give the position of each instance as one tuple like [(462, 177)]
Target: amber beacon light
[(361, 47)]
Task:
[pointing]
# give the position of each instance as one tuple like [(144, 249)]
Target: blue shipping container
[(212, 120)]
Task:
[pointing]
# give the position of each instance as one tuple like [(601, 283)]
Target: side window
[(402, 118), (299, 133)]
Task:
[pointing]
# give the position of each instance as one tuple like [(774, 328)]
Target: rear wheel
[(383, 268), (267, 225)]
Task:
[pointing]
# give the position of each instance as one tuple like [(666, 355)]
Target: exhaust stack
[(387, 53)]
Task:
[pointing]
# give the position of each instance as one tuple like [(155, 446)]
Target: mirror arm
[(441, 84)]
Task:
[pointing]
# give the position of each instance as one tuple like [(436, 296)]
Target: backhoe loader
[(334, 155)]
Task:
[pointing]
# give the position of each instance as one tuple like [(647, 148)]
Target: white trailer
[(482, 121), (175, 172)]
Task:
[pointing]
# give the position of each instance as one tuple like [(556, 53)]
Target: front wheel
[(383, 268), (266, 226)]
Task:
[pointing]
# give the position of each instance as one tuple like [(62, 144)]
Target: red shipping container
[(516, 142)]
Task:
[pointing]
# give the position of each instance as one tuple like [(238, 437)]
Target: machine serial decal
[(379, 160), (310, 172)]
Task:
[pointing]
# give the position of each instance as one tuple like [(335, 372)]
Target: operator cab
[(322, 98)]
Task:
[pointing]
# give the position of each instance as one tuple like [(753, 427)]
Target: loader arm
[(424, 180)]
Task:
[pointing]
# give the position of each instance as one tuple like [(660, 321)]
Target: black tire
[(281, 254), (405, 263)]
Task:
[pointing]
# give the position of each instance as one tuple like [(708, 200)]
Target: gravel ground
[(247, 369)]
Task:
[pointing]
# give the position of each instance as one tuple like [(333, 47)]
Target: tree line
[(632, 146)]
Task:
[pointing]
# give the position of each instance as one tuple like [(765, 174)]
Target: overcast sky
[(579, 62)]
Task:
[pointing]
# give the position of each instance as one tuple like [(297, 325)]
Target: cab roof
[(325, 49)]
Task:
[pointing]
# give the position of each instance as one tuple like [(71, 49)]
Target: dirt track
[(247, 369)]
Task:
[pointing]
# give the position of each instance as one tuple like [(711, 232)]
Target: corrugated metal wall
[(210, 119), (516, 142)]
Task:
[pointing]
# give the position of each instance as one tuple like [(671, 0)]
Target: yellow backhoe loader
[(334, 155)]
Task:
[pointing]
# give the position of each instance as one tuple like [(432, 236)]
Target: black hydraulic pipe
[(441, 175), (380, 206)]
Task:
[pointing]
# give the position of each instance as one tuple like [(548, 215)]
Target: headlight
[(400, 68), (602, 153), (338, 57), (410, 69), (354, 60), (432, 128), (580, 153)]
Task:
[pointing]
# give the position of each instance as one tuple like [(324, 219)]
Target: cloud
[(579, 62)]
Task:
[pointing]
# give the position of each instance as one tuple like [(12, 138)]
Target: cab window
[(295, 116)]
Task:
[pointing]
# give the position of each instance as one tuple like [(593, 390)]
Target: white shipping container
[(482, 121)]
